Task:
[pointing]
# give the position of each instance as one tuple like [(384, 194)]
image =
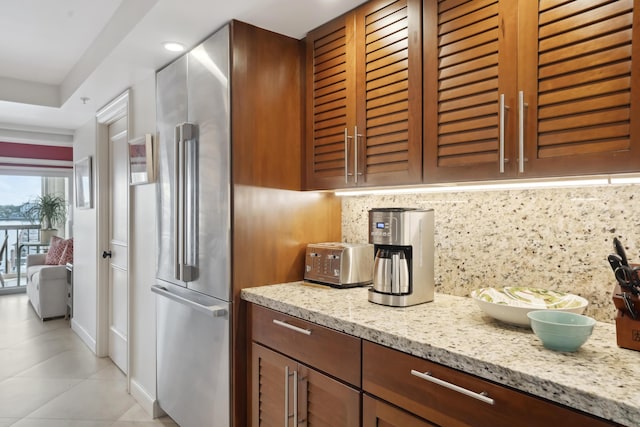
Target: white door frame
[(113, 111)]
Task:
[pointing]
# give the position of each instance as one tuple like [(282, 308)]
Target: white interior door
[(118, 243)]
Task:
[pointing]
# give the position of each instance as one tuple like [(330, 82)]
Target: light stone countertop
[(600, 378)]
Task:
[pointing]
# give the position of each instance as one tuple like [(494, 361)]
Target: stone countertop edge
[(600, 379)]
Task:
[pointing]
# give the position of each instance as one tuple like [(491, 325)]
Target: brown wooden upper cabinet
[(530, 88), (364, 97)]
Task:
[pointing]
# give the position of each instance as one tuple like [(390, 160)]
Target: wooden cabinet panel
[(386, 373), (270, 386), (468, 47), (282, 387), (581, 87), (267, 70), (572, 63), (376, 413), (330, 57), (327, 350), (325, 401), (364, 87), (389, 85)]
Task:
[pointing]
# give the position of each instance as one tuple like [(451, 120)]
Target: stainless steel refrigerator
[(193, 288)]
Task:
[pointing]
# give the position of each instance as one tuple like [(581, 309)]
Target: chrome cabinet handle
[(428, 377), (356, 137), (355, 154), (295, 398), (521, 131), (346, 155), (502, 110), (286, 396), (292, 327)]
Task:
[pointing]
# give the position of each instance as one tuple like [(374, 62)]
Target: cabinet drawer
[(387, 373), (327, 350)]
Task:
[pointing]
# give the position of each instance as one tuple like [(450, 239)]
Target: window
[(15, 191)]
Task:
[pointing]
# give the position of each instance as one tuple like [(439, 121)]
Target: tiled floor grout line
[(72, 389)]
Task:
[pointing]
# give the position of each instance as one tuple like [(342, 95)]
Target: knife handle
[(614, 261), (620, 251)]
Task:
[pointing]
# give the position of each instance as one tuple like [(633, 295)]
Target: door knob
[(106, 254)]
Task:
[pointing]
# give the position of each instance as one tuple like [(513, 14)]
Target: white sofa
[(46, 287)]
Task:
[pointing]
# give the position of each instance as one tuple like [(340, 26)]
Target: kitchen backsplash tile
[(549, 238)]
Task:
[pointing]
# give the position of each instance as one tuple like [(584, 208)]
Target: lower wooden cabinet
[(287, 393), (449, 397), (303, 374), (376, 413)]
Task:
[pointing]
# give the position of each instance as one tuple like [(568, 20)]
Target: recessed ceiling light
[(173, 46)]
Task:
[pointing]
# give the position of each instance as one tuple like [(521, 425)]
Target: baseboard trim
[(88, 340), (146, 400)]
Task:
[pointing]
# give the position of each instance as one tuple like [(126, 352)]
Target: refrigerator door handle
[(184, 132), (211, 310), (177, 217)]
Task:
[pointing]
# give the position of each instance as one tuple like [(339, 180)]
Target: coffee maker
[(403, 246)]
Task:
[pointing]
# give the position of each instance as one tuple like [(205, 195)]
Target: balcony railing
[(10, 257)]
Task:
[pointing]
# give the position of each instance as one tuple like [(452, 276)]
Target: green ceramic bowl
[(561, 330)]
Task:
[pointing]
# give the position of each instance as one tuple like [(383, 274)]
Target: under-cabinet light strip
[(625, 180), (492, 186)]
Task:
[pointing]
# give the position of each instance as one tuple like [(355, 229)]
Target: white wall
[(142, 363), (85, 248), (142, 341)]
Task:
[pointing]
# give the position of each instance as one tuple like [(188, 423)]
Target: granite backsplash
[(555, 238)]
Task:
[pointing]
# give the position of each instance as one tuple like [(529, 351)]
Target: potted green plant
[(48, 210)]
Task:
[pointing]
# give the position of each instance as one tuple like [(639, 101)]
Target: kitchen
[(555, 237)]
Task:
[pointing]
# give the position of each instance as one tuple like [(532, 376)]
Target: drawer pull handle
[(293, 328), (428, 377)]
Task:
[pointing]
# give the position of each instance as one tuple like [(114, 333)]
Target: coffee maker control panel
[(386, 226), (381, 229)]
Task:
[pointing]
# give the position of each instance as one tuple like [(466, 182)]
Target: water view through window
[(15, 193)]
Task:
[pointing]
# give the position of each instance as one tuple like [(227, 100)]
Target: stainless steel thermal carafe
[(391, 272)]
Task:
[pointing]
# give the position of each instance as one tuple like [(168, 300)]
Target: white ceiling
[(54, 53)]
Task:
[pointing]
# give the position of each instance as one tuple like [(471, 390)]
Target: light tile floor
[(49, 378)]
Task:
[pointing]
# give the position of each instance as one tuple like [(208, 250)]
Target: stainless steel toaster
[(338, 264)]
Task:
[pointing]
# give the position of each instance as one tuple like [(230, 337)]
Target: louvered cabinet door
[(580, 75), (325, 402), (271, 388), (470, 60), (389, 88), (331, 104), (377, 413)]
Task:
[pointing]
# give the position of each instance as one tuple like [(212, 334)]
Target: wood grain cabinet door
[(271, 388), (284, 392), (579, 72), (568, 75), (364, 97), (389, 92), (470, 62), (325, 402), (331, 104), (376, 413)]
